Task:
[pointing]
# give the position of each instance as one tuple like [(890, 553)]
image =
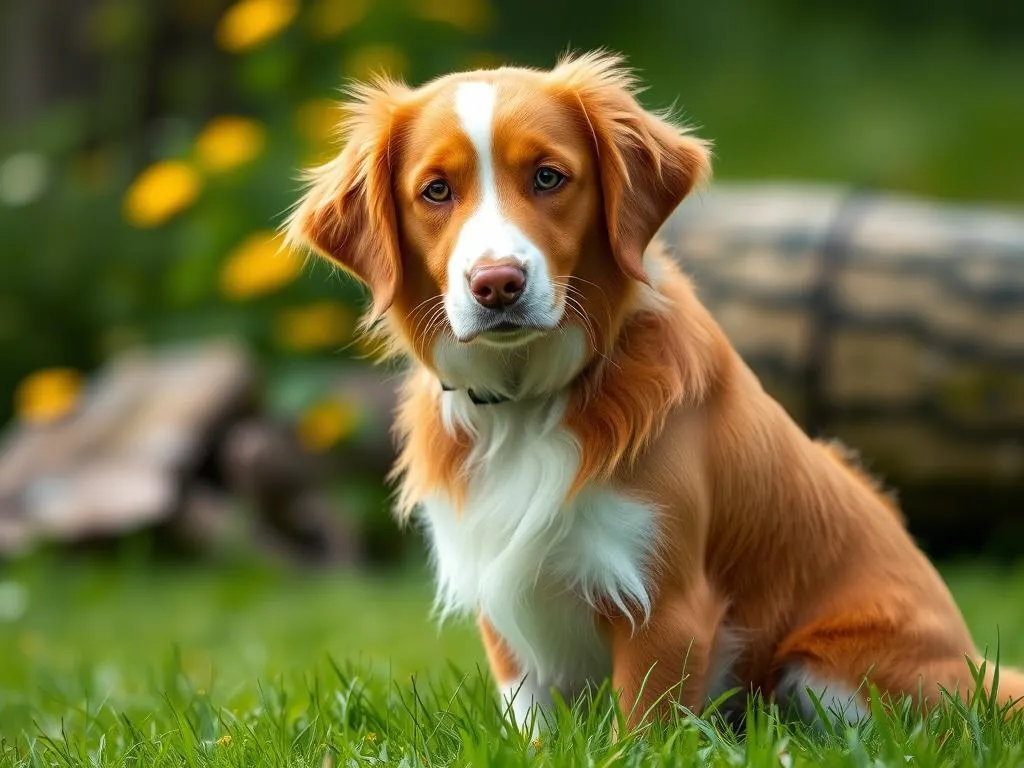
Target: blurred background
[(186, 407)]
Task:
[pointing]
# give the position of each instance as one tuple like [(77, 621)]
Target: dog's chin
[(507, 330), (508, 336), (505, 335)]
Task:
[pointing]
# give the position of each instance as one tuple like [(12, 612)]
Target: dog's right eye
[(437, 191)]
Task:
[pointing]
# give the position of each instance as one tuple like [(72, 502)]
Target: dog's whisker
[(429, 314), (566, 284), (424, 306), (426, 301), (434, 322), (423, 320), (576, 309)]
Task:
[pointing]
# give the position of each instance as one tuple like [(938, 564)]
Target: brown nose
[(497, 285)]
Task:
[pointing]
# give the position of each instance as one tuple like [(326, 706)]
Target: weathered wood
[(263, 460), (896, 325), (119, 461), (172, 440), (263, 464)]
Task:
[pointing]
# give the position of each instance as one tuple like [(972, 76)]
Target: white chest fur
[(532, 563)]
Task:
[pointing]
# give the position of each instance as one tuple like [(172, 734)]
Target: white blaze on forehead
[(474, 104), (487, 233)]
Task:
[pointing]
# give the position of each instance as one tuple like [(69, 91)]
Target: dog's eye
[(437, 191), (547, 179)]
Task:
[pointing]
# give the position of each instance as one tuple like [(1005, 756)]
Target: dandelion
[(250, 23), (224, 741), (228, 142), (47, 395), (371, 737), (329, 18), (260, 264), (317, 326), (326, 423), (160, 192)]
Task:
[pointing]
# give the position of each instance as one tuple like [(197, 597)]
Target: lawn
[(104, 664)]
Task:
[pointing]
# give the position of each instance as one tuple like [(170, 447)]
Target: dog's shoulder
[(850, 461)]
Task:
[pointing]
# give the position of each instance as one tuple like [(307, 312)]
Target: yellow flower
[(326, 423), (224, 740), (328, 18), (472, 16), (319, 325), (47, 395), (161, 191), (371, 737), (260, 264), (374, 60), (249, 23), (229, 141)]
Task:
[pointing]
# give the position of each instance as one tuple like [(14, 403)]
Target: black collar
[(476, 399)]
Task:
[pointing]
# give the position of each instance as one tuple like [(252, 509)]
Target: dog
[(604, 483)]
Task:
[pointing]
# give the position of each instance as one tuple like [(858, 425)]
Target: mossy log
[(893, 324)]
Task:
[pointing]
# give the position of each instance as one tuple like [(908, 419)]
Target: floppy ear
[(348, 211), (647, 164)]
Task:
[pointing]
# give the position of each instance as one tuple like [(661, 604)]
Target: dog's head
[(503, 210)]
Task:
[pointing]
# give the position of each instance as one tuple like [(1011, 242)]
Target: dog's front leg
[(523, 696), (665, 661)]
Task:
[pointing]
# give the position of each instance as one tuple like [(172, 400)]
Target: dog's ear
[(348, 212), (647, 164)]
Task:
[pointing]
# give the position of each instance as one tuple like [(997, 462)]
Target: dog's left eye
[(438, 191), (547, 179)]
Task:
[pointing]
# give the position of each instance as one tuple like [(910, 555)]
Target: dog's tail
[(1009, 687), (1006, 682), (1000, 685)]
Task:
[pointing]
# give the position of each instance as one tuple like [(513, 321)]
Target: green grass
[(129, 666)]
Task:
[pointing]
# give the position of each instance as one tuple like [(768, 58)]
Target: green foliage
[(922, 98), (117, 666), (78, 281), (344, 717)]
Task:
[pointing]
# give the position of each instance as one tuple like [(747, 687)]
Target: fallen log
[(894, 324), (169, 440)]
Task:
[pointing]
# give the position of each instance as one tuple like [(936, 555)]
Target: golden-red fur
[(759, 526)]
